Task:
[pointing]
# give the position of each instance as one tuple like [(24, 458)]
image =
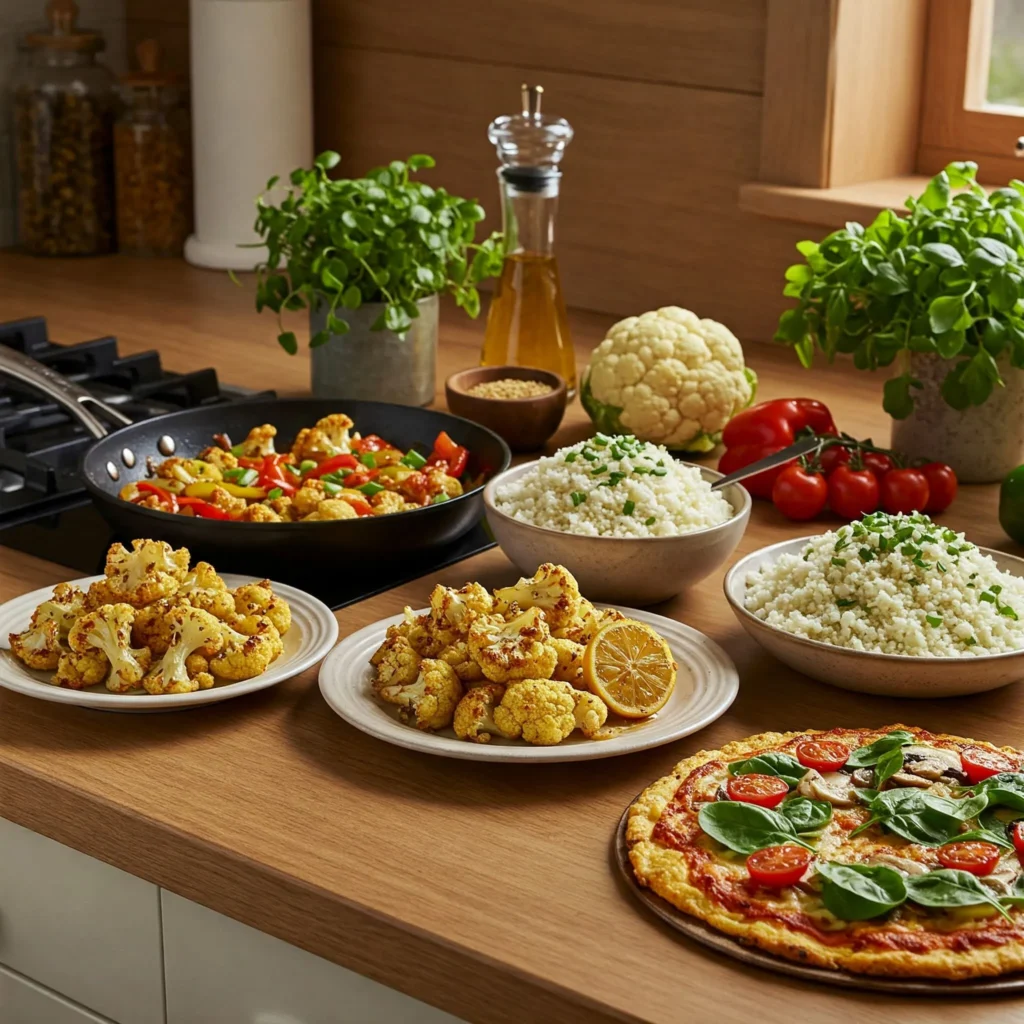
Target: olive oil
[(527, 325)]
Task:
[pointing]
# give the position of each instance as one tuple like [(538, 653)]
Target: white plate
[(313, 633), (707, 684)]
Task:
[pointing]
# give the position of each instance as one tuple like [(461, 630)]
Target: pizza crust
[(666, 872)]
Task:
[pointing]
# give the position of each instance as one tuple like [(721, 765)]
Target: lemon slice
[(630, 667)]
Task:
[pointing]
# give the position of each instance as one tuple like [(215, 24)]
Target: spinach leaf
[(1003, 790), (746, 827), (997, 818), (807, 815), (858, 892), (949, 888), (862, 757), (982, 835), (887, 765), (921, 817), (785, 766)]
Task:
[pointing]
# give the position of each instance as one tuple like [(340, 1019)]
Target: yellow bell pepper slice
[(204, 488)]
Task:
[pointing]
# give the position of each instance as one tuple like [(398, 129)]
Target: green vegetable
[(274, 492), (237, 450), (933, 620), (649, 521), (945, 278), (371, 487), (1003, 790), (888, 765), (982, 835), (331, 488), (806, 815), (785, 766), (628, 508), (294, 470), (578, 497), (437, 499), (247, 478), (383, 238), (413, 459), (864, 757), (368, 459), (306, 465), (859, 892), (947, 888), (746, 827)]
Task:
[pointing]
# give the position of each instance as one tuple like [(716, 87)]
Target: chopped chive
[(331, 488), (933, 620), (306, 465), (844, 602), (627, 509), (578, 497), (641, 470), (970, 641), (293, 469), (600, 441), (987, 597), (996, 589), (598, 470), (660, 472), (571, 457), (275, 492), (649, 521), (941, 566), (1008, 612), (370, 488), (839, 561), (589, 455), (614, 478), (866, 555), (237, 450)]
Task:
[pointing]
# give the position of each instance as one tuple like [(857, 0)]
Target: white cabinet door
[(24, 1002), (80, 927), (221, 972)]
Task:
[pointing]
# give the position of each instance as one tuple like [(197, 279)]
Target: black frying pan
[(257, 548)]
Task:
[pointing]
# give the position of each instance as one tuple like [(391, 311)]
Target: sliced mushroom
[(863, 777), (931, 762), (1005, 874), (904, 864), (904, 778), (835, 787)]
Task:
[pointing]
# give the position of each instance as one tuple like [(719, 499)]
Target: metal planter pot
[(376, 366)]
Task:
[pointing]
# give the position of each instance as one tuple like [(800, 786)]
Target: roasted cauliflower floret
[(108, 632), (150, 571), (591, 712), (457, 655), (41, 645), (474, 714), (219, 457), (203, 588), (259, 442), (541, 711), (152, 627), (307, 497), (284, 508), (456, 609), (429, 701), (250, 644), (188, 471), (258, 514), (552, 589), (328, 437), (331, 508), (260, 599), (439, 482), (397, 663), (77, 671), (426, 636), (570, 662), (517, 649), (193, 631), (227, 502), (588, 621)]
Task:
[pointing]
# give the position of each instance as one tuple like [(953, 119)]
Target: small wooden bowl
[(525, 423)]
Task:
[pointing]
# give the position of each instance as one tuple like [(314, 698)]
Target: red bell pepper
[(166, 497), (332, 464), (272, 475), (204, 509), (370, 443), (354, 480), (453, 455)]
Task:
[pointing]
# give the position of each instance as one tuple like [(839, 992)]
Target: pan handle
[(61, 390)]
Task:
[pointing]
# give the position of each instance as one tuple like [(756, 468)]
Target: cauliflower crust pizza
[(889, 851)]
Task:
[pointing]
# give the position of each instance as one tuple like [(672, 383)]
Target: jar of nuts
[(152, 159), (63, 139)]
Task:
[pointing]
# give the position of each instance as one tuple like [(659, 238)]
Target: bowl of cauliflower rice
[(889, 604), (633, 524)]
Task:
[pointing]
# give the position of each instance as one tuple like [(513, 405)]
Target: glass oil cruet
[(527, 325)]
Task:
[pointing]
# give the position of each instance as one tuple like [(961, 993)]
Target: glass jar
[(153, 160), (63, 139)]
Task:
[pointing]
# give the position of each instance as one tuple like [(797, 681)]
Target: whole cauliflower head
[(429, 701), (456, 609), (541, 711), (107, 632), (41, 645), (193, 631), (150, 571), (552, 589), (517, 649), (260, 599), (668, 377), (474, 714)]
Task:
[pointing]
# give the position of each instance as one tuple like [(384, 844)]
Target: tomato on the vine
[(980, 763), (1017, 836), (942, 486), (977, 858), (833, 457), (822, 755), (904, 490), (877, 462), (852, 493), (763, 790), (798, 493), (776, 866)]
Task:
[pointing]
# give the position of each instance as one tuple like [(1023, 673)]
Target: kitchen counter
[(487, 890)]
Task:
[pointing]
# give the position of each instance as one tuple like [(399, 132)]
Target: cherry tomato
[(904, 490), (1017, 835), (824, 755), (763, 790), (979, 763), (976, 858), (942, 486), (776, 866), (798, 494), (877, 463), (852, 493), (834, 457), (816, 416), (760, 485)]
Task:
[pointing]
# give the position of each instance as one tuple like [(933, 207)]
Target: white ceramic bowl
[(890, 675), (621, 570)]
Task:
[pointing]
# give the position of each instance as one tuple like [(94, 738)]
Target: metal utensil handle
[(804, 446), (61, 390)]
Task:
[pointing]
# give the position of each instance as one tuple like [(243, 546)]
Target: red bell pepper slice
[(166, 497), (453, 455), (203, 508), (332, 464), (370, 443)]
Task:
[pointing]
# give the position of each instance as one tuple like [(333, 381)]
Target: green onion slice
[(413, 459)]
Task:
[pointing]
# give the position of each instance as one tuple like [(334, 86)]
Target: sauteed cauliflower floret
[(219, 457), (429, 701), (570, 662), (329, 436), (260, 599), (108, 631), (250, 644), (203, 588), (516, 649), (587, 622), (552, 589), (150, 571), (459, 657), (331, 508), (193, 631), (474, 714), (188, 471), (41, 645), (152, 627), (396, 662), (308, 497), (259, 442), (76, 671), (541, 711), (456, 609), (590, 712)]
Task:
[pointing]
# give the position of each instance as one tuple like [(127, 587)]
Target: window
[(1004, 79)]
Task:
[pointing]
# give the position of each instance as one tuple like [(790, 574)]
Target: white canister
[(252, 117)]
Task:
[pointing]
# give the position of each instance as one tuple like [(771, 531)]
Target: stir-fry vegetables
[(330, 472)]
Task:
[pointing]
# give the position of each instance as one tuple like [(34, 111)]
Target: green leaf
[(746, 827), (887, 766), (896, 397), (327, 160), (942, 254), (947, 888), (785, 766), (352, 297), (888, 281), (936, 195), (981, 835), (335, 325), (1004, 290), (806, 815), (838, 308), (288, 341), (945, 313), (999, 251), (863, 757), (950, 343), (799, 273), (419, 161), (860, 892), (420, 214), (320, 338)]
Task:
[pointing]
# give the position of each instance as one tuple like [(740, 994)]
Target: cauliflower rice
[(892, 584), (613, 487)]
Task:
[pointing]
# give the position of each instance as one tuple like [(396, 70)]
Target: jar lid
[(148, 54), (64, 33)]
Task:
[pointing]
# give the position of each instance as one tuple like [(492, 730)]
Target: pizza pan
[(703, 933)]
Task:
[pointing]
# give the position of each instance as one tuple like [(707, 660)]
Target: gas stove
[(45, 509)]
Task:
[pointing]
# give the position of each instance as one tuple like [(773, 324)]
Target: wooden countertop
[(485, 889)]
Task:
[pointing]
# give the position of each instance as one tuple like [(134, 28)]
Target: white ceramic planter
[(982, 443)]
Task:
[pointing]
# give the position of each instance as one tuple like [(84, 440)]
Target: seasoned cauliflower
[(439, 482), (188, 471), (331, 508), (570, 662), (517, 649), (552, 589), (426, 636), (260, 599), (41, 645), (152, 627), (284, 508), (203, 588), (397, 663), (385, 503), (150, 571), (226, 501), (429, 701), (108, 632), (668, 377), (328, 437), (541, 711), (456, 609), (250, 644), (588, 621), (307, 497), (258, 514), (474, 714), (219, 457), (76, 671), (259, 442), (457, 655), (591, 712), (194, 631)]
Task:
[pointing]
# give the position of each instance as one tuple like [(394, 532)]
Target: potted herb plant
[(368, 257), (935, 293)]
